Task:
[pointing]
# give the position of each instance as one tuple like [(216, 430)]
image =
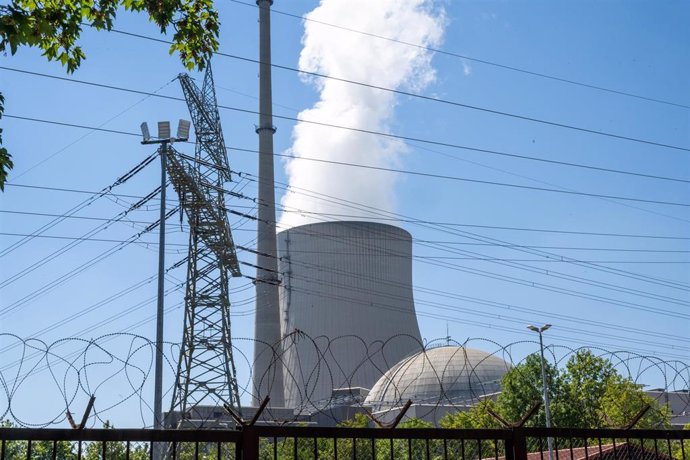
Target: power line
[(91, 199), (395, 219), (484, 182), (54, 154), (524, 246), (469, 58), (431, 175), (317, 267), (79, 269), (503, 317), (558, 289), (476, 237), (99, 240), (328, 125), (433, 99), (417, 256), (484, 302)]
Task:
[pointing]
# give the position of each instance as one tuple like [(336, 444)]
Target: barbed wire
[(43, 382)]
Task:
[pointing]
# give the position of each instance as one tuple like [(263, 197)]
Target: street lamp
[(547, 408), (165, 140)]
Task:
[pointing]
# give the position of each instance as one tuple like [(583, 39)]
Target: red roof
[(622, 451)]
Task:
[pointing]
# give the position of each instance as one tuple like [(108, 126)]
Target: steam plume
[(345, 54)]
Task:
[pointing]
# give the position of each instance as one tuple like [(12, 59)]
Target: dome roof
[(443, 375)]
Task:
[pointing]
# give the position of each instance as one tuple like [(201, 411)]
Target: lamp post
[(547, 408), (165, 140)]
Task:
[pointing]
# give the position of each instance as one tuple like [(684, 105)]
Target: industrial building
[(347, 286)]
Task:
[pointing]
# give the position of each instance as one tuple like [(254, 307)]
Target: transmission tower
[(206, 373)]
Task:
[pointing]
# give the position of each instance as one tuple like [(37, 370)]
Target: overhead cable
[(436, 99), (454, 178), (330, 125), (469, 58)]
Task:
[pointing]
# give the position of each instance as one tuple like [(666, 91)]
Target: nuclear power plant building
[(346, 306)]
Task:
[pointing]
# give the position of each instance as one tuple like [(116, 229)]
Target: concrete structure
[(346, 306), (267, 379), (437, 381), (678, 403)]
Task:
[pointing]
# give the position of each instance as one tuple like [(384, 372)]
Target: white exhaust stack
[(267, 376)]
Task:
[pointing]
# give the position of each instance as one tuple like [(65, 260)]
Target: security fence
[(312, 443)]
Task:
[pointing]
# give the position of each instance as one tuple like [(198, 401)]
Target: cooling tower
[(347, 309)]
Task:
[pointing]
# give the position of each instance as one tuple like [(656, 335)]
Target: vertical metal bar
[(586, 453), (218, 450), (496, 449), (196, 450), (570, 443), (275, 448), (127, 448), (462, 448), (238, 450), (316, 450), (445, 449), (519, 444), (541, 447), (174, 450), (151, 450), (600, 449), (250, 443), (554, 445), (428, 451), (54, 456), (294, 449), (79, 450), (392, 449), (2, 450), (682, 448), (335, 448), (103, 447), (627, 443), (409, 448), (373, 448), (158, 372), (670, 451), (479, 448), (354, 449), (509, 445), (615, 454), (28, 450), (656, 449)]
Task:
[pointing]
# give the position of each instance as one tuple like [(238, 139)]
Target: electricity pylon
[(206, 373)]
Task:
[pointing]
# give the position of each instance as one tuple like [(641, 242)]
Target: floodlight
[(545, 327), (145, 132), (533, 328), (183, 130), (163, 130)]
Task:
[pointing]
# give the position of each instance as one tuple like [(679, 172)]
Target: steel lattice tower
[(206, 370)]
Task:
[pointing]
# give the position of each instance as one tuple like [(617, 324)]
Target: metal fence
[(312, 443)]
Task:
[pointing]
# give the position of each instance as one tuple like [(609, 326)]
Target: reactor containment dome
[(448, 376), (347, 309)]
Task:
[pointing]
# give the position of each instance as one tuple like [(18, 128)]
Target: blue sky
[(633, 47)]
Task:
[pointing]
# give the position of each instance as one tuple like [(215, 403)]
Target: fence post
[(519, 445), (250, 443)]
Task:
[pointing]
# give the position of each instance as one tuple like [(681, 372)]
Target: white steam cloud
[(349, 55)]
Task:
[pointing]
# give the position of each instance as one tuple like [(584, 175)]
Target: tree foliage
[(55, 27), (5, 158), (587, 393)]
